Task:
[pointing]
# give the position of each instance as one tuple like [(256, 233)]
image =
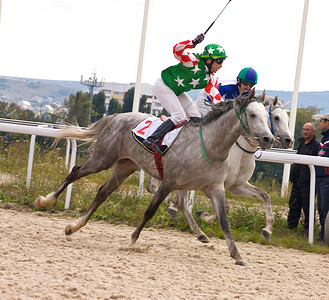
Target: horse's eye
[(276, 118), (252, 116)]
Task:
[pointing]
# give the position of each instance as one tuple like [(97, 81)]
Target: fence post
[(30, 162), (72, 164)]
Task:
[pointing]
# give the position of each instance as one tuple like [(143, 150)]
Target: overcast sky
[(64, 39)]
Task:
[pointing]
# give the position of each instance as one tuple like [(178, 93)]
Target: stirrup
[(147, 143), (156, 148)]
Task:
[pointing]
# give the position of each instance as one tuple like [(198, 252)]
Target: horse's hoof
[(266, 235), (131, 243), (202, 238), (37, 202), (200, 213), (172, 213), (240, 263), (68, 230)]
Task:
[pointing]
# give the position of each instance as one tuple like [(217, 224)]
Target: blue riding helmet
[(248, 74)]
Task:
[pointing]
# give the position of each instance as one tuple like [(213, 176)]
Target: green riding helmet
[(248, 74), (213, 51)]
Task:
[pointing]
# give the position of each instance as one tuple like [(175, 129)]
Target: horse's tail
[(89, 134)]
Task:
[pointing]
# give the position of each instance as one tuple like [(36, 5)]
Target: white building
[(118, 91)]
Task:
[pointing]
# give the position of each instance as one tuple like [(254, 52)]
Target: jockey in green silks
[(194, 71)]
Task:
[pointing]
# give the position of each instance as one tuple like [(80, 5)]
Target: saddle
[(145, 128)]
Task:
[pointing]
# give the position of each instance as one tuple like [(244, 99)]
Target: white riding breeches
[(202, 103), (180, 107)]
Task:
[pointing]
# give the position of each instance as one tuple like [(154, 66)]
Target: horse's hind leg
[(182, 204), (152, 185), (249, 190), (92, 165), (162, 192), (122, 169)]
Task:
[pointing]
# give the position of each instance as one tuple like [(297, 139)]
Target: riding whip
[(217, 17)]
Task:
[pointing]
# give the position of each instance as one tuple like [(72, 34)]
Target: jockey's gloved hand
[(198, 39)]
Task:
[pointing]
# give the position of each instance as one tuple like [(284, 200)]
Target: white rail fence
[(40, 129), (290, 157), (274, 155)]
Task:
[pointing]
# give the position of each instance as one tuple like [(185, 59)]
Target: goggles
[(219, 60), (246, 83)]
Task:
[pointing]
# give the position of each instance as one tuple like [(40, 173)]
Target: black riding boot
[(158, 134)]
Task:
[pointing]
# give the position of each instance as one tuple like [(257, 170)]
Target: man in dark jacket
[(300, 179), (322, 176)]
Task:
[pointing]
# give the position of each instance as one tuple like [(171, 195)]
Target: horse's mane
[(217, 111)]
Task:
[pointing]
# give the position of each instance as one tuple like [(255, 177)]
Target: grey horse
[(185, 167), (241, 162)]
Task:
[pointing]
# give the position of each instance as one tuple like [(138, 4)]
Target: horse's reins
[(204, 152), (244, 113), (270, 115), (245, 127), (244, 150), (271, 128)]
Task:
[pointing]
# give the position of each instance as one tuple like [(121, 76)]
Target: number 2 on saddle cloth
[(145, 128)]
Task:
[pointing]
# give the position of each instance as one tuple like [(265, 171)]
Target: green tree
[(164, 112), (114, 107), (98, 107), (79, 108), (13, 111), (143, 107), (303, 116), (128, 100)]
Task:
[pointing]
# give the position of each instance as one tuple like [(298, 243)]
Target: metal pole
[(67, 157), (139, 79), (0, 9), (311, 213), (141, 184), (30, 162), (72, 164), (141, 58), (293, 111)]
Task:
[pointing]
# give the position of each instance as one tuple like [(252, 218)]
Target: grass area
[(246, 216)]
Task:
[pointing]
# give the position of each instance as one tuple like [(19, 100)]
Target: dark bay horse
[(185, 166)]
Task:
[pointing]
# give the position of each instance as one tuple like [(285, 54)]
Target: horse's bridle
[(270, 115), (244, 113), (271, 109)]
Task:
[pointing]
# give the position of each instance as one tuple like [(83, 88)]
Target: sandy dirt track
[(37, 261)]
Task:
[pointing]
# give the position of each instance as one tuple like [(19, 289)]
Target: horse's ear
[(275, 101), (263, 96), (251, 94), (286, 105)]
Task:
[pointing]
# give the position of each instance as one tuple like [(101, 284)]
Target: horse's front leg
[(163, 191), (152, 187), (249, 190), (216, 194)]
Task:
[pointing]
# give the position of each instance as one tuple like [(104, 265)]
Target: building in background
[(118, 91)]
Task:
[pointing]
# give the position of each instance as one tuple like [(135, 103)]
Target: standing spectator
[(322, 175), (300, 179)]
